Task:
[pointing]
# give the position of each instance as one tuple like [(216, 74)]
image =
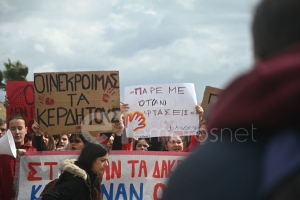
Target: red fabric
[(127, 146), (7, 173), (20, 95), (268, 96), (194, 143)]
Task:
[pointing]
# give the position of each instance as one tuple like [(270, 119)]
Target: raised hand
[(124, 107), (199, 111)]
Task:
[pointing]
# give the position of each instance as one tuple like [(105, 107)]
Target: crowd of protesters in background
[(40, 140)]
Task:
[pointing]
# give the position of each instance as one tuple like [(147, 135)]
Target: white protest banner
[(161, 110), (130, 175)]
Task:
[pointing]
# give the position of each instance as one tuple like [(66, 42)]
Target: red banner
[(20, 95)]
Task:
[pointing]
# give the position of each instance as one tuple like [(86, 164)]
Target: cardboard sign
[(20, 95), (211, 95), (130, 174), (76, 102), (2, 111), (161, 110)]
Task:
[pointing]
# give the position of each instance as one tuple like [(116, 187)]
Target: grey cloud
[(147, 41)]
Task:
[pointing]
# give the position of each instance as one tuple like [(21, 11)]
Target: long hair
[(74, 136), (136, 141), (90, 152), (49, 147)]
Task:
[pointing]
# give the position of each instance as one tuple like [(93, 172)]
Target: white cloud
[(49, 67), (187, 4), (205, 42), (39, 48)]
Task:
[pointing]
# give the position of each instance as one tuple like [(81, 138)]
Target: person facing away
[(253, 149), (80, 179), (16, 125)]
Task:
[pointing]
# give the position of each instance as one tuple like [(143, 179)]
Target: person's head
[(64, 140), (141, 144), (2, 127), (16, 124), (94, 156), (48, 140), (174, 143), (77, 141), (56, 138), (202, 133), (275, 27)]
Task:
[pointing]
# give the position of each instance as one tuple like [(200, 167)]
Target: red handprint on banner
[(46, 100), (135, 121), (107, 94)]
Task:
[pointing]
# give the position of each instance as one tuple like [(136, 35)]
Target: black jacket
[(75, 183)]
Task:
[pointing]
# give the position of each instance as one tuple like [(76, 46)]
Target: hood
[(70, 166), (268, 96)]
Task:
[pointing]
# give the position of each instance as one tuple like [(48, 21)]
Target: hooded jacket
[(75, 183), (262, 162)]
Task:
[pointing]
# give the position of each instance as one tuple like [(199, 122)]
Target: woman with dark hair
[(78, 141), (141, 144), (42, 140), (80, 179)]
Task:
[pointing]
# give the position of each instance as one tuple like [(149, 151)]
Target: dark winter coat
[(75, 183)]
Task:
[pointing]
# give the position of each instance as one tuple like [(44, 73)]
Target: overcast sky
[(205, 42)]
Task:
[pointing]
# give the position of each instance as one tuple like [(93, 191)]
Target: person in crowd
[(42, 140), (252, 151), (155, 143), (202, 134), (140, 144), (48, 144), (56, 138), (16, 124), (108, 139), (78, 141), (196, 140), (114, 140), (80, 179), (174, 143), (2, 127), (63, 142)]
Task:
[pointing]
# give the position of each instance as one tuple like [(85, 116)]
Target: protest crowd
[(37, 139), (244, 144)]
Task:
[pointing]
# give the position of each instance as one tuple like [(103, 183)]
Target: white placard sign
[(161, 110)]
